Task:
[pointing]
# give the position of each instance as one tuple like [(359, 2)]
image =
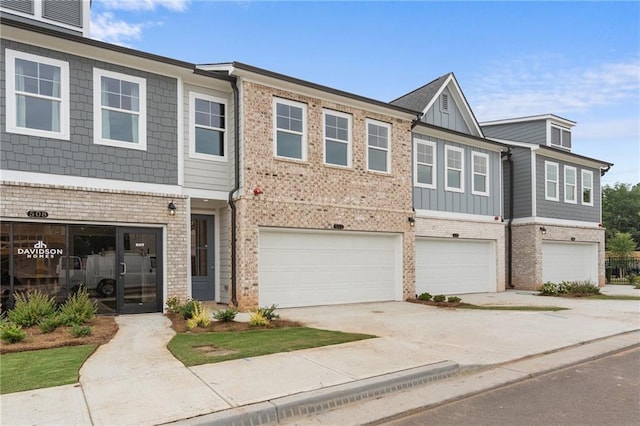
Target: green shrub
[(31, 307), (48, 325), (453, 299), (583, 288), (12, 333), (226, 315), (439, 298), (269, 313), (78, 308), (632, 278), (189, 308), (549, 289), (425, 296), (257, 319), (173, 305), (564, 287), (78, 330), (201, 317)]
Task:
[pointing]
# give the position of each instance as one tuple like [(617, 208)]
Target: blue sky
[(578, 60)]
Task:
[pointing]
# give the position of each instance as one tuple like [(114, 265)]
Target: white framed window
[(560, 137), (480, 173), (207, 127), (378, 146), (425, 164), (454, 176), (37, 95), (587, 187), (290, 129), (337, 138), (570, 185), (119, 110), (551, 181)]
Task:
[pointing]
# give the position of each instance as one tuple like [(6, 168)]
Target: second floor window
[(37, 91), (337, 138), (119, 110), (454, 177), (570, 184), (587, 187), (551, 181), (207, 127), (425, 169), (290, 129), (480, 173), (378, 146)]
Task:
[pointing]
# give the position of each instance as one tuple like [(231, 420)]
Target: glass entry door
[(139, 270)]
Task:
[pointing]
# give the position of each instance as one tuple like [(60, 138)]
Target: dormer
[(70, 16), (548, 130)]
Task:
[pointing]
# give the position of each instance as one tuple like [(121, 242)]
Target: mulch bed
[(438, 304), (179, 324)]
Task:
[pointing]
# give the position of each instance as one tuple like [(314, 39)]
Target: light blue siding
[(449, 120), (534, 132)]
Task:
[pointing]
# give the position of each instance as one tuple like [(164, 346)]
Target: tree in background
[(621, 211), (621, 246)]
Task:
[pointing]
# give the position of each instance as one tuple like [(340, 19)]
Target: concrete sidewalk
[(135, 380)]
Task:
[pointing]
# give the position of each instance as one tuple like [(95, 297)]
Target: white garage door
[(307, 268), (569, 262), (455, 266)]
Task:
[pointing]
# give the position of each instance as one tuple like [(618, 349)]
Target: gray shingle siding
[(455, 202), (560, 209), (79, 156), (534, 132)]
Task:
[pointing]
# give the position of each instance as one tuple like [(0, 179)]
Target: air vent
[(445, 102)]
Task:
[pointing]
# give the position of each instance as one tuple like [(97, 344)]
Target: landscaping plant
[(189, 308), (257, 319), (78, 330), (78, 308), (439, 298), (225, 315), (453, 299), (31, 307), (269, 313), (48, 325), (425, 296), (12, 333), (201, 317)]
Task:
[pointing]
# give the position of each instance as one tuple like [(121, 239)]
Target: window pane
[(454, 159), (337, 153), (551, 190), (425, 174), (425, 154), (203, 119), (453, 178), (480, 183), (332, 132), (39, 114), (586, 195), (27, 68), (295, 113), (555, 136), (289, 145), (480, 165), (377, 160), (209, 142), (119, 126), (570, 193), (552, 173)]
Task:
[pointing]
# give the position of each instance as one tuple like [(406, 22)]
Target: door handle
[(124, 269)]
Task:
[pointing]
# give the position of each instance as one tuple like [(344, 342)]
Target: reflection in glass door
[(139, 286)]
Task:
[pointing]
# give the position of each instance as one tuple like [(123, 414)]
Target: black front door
[(139, 270)]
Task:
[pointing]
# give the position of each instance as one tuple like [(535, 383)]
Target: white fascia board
[(514, 143), (467, 217), (534, 205), (458, 138), (555, 222), (467, 113), (206, 194), (80, 182), (568, 157)]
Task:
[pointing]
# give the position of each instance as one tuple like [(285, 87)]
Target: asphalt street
[(605, 391)]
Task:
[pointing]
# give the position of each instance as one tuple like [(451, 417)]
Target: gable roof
[(423, 98)]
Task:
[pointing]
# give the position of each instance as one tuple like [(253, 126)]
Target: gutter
[(507, 154), (236, 186), (604, 170)]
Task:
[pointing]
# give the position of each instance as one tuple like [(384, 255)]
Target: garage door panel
[(318, 268), (569, 262)]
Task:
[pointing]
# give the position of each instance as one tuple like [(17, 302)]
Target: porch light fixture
[(543, 230), (172, 208), (412, 221)]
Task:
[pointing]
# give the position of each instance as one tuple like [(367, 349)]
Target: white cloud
[(107, 28), (174, 5), (532, 86)]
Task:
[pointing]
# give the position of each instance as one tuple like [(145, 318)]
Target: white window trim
[(583, 187), (567, 184), (192, 127), (434, 174), (387, 150), (448, 148), (349, 142), (474, 173), (548, 164), (97, 110), (10, 95), (283, 101)]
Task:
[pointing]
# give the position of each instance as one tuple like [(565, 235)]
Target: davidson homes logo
[(40, 251)]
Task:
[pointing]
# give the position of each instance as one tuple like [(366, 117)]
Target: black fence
[(620, 269)]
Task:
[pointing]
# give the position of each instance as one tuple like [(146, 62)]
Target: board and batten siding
[(449, 120), (79, 156), (522, 197), (534, 132), (441, 200), (560, 209), (203, 173)]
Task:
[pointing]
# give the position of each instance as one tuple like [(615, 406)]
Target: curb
[(306, 403)]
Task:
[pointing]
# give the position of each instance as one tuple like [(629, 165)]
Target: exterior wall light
[(543, 230), (257, 191), (172, 209), (412, 221)]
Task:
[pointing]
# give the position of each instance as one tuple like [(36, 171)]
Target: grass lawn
[(610, 297), (206, 348), (28, 370), (512, 308)]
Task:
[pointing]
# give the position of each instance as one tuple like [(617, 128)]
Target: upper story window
[(37, 95), (587, 187), (425, 165), (570, 184), (337, 138), (480, 173), (560, 137), (207, 127), (454, 177), (119, 110), (378, 146), (551, 181), (290, 129)]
